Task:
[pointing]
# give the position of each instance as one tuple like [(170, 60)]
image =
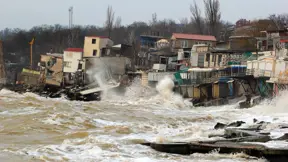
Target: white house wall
[(194, 59), (116, 65), (155, 77), (249, 65), (71, 61)]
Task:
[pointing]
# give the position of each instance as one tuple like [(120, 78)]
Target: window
[(67, 64), (213, 58), (93, 41), (207, 57), (163, 60), (80, 66), (94, 52), (219, 59), (184, 44), (186, 55)]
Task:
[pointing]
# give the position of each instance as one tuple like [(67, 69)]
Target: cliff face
[(2, 68)]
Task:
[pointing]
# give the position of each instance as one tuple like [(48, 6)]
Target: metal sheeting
[(223, 88), (200, 69), (199, 92), (215, 90)]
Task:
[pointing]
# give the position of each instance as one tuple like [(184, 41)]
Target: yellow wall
[(100, 43), (89, 47), (215, 90)]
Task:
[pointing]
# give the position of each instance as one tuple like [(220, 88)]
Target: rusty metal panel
[(29, 77), (215, 90), (57, 73), (196, 92)]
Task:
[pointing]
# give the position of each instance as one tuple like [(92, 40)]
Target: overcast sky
[(28, 13)]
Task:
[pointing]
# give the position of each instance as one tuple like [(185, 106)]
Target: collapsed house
[(78, 72)]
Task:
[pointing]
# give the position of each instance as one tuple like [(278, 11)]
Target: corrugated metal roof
[(194, 37), (74, 49)]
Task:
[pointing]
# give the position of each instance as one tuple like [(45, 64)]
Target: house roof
[(152, 36), (91, 36), (284, 40), (74, 50), (57, 55), (194, 37)]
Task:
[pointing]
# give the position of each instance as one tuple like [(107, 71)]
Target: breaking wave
[(111, 130)]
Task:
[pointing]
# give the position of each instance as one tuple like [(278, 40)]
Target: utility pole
[(31, 52), (70, 37), (70, 17)]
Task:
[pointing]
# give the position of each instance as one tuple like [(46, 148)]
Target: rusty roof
[(74, 49), (194, 37)]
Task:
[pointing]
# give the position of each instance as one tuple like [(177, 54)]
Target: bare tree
[(154, 19), (281, 21), (131, 40), (213, 16), (131, 37), (197, 19), (109, 20), (184, 21), (227, 29), (118, 22)]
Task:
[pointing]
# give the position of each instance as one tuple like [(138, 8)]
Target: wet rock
[(224, 147), (262, 122), (255, 127), (220, 126), (234, 133), (216, 135), (255, 120), (236, 124), (284, 137), (283, 126)]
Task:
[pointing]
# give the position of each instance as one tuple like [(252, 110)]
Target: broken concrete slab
[(255, 150), (233, 124)]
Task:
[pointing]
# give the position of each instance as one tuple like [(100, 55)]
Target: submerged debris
[(235, 140)]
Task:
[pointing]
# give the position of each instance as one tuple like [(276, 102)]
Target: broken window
[(93, 41), (94, 52)]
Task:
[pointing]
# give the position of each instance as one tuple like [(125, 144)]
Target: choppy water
[(34, 128)]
